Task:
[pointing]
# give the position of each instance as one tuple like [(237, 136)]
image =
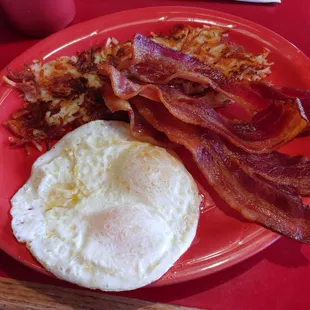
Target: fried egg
[(106, 211)]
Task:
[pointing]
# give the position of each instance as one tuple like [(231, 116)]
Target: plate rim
[(181, 8)]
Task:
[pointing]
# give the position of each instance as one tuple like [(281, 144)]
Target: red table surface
[(276, 278)]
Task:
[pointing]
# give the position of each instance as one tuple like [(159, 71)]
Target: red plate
[(223, 238)]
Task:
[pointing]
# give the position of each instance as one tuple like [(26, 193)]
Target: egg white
[(106, 211)]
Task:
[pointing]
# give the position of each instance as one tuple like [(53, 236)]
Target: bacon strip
[(284, 93), (276, 167), (303, 95), (276, 206), (265, 188), (158, 64), (269, 129), (233, 174), (140, 129)]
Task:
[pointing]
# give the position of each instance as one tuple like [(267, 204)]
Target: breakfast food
[(175, 91), (65, 93), (100, 211), (270, 199)]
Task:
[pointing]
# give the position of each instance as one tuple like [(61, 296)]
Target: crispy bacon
[(140, 129), (276, 167), (155, 63), (284, 93), (276, 206), (280, 93), (267, 131), (158, 64), (303, 95), (272, 92), (250, 184)]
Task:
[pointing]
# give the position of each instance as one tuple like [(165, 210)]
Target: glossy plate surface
[(223, 237)]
